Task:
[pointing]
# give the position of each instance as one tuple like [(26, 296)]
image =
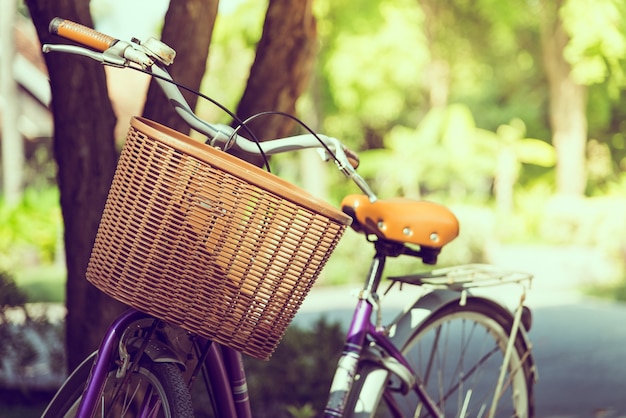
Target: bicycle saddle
[(409, 221)]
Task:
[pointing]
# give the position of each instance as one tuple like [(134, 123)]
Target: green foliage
[(43, 283), (433, 157), (614, 291), (598, 41), (236, 33), (447, 155), (371, 91), (10, 295), (305, 411), (607, 126), (477, 227), (596, 223), (526, 150), (29, 232), (341, 268), (296, 381), (369, 65), (494, 54)]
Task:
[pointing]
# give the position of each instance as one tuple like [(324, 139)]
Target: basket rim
[(237, 167)]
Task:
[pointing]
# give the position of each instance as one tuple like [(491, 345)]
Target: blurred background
[(512, 113)]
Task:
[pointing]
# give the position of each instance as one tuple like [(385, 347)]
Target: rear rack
[(466, 277)]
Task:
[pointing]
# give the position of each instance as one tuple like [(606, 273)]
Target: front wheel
[(152, 390), (457, 353)]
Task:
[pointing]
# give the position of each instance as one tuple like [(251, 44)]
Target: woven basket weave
[(203, 240)]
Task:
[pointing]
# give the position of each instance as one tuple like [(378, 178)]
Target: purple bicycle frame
[(225, 370), (224, 365), (360, 327)]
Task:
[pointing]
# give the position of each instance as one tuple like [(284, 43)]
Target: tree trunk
[(85, 153), (84, 124), (568, 118), (282, 67), (437, 72), (188, 30)]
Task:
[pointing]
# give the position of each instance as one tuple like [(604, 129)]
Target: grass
[(44, 284), (613, 291)]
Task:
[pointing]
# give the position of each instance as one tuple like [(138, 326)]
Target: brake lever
[(121, 53), (344, 165), (107, 57)]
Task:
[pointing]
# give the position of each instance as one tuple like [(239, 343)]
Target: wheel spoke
[(457, 355), (156, 391), (470, 372), (466, 368)]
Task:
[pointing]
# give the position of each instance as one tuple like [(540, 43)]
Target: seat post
[(375, 273)]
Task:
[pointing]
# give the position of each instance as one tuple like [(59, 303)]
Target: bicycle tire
[(164, 379), (469, 392)]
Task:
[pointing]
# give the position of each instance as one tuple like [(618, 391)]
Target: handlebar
[(81, 34), (154, 56)]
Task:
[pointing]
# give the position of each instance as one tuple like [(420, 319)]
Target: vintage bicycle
[(215, 256)]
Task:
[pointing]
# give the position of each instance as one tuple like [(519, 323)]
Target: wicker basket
[(203, 240)]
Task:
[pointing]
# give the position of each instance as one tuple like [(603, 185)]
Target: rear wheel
[(152, 390), (457, 353)]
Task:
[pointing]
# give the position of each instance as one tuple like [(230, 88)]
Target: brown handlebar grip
[(81, 34), (353, 158)]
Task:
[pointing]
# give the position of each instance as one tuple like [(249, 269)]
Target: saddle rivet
[(381, 225), (407, 231), (434, 237)]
